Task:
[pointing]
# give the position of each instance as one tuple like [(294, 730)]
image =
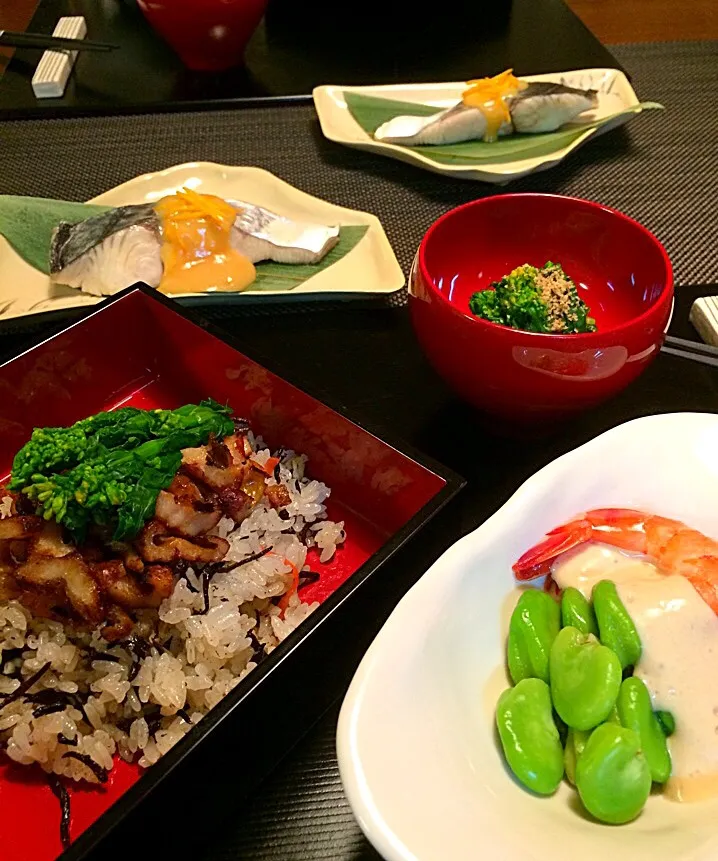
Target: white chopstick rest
[(53, 70), (704, 316)]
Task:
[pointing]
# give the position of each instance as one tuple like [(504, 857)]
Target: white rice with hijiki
[(137, 698)]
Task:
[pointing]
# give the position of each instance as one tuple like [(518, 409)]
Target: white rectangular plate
[(614, 94), (369, 268)]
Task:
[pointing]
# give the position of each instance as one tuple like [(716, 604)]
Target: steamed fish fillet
[(260, 234), (120, 260), (453, 125), (108, 252), (540, 107), (544, 106)]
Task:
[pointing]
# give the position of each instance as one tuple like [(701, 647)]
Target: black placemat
[(659, 169), (300, 813)]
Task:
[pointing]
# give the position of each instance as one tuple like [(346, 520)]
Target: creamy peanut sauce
[(679, 662)]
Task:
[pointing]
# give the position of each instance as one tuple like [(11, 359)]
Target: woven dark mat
[(660, 169), (664, 175)]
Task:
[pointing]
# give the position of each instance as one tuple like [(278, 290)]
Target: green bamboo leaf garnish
[(285, 276), (27, 224)]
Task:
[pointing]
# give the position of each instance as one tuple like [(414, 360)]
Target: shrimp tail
[(675, 548), (623, 528), (536, 562)]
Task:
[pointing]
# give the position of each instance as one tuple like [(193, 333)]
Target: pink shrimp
[(675, 547)]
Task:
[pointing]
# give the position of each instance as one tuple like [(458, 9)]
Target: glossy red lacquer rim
[(584, 337)]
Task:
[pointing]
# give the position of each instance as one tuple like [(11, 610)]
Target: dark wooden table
[(301, 813), (301, 45), (384, 379)]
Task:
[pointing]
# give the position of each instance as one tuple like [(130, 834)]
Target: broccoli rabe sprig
[(535, 300), (109, 469), (58, 449), (513, 301), (62, 448), (118, 488), (183, 425)]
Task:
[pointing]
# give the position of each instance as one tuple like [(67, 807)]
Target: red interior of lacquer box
[(138, 351)]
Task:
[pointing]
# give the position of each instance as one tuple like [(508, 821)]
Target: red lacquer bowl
[(208, 35), (622, 272)]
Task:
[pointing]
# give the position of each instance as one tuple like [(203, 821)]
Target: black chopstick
[(696, 351), (51, 43)]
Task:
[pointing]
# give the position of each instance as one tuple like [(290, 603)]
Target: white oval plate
[(614, 94), (369, 268), (417, 749)]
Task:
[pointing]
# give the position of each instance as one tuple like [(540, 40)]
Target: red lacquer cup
[(208, 35)]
